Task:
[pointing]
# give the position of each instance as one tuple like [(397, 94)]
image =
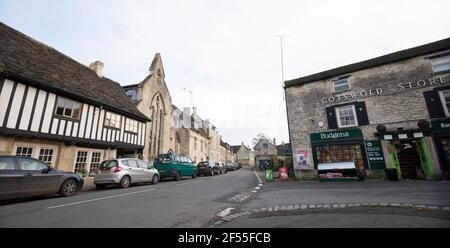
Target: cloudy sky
[(225, 51)]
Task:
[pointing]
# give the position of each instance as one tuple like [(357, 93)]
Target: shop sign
[(441, 124), (336, 135), (375, 154), (303, 159)]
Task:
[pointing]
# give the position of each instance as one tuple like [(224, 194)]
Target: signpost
[(375, 154)]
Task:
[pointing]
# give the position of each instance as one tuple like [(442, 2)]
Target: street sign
[(375, 154)]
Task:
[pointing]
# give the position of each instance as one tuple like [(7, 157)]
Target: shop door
[(408, 159)]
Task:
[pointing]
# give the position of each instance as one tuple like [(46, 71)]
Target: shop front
[(441, 137), (339, 154)]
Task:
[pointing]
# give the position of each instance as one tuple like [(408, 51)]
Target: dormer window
[(441, 64), (341, 85), (132, 94)]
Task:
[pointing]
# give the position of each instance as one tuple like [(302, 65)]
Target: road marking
[(240, 197), (257, 176), (225, 212), (98, 199), (189, 182), (257, 188)]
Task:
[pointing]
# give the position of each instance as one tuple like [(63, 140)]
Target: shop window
[(68, 108), (445, 99), (340, 153), (341, 85), (112, 120), (95, 162), (346, 116), (441, 64), (46, 155), (22, 151), (131, 126), (81, 160)]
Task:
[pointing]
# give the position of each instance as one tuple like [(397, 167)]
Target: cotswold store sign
[(337, 135), (402, 86)]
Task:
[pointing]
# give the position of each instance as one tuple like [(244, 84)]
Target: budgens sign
[(337, 135)]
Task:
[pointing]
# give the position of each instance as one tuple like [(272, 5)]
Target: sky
[(227, 52)]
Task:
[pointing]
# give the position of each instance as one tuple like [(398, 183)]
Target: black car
[(208, 168), (22, 177), (231, 167)]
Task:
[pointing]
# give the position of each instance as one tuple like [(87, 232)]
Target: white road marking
[(257, 187), (225, 212), (189, 182), (98, 199), (257, 176)]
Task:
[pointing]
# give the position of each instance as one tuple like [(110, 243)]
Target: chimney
[(97, 67), (194, 110), (242, 143), (274, 142), (187, 111)]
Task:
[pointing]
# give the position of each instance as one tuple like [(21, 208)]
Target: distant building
[(265, 151), (244, 155)]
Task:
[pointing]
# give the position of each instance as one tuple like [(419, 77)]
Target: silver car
[(124, 172)]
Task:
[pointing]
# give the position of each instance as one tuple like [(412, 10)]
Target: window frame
[(63, 115), (434, 65), (443, 102), (341, 79), (108, 121), (127, 126), (338, 116)]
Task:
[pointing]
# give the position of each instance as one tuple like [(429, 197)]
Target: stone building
[(214, 144), (243, 154), (57, 110), (226, 153), (152, 98), (387, 112), (265, 151)]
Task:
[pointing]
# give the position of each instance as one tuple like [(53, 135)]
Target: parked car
[(208, 168), (175, 165), (124, 172), (237, 166), (231, 167), (223, 168), (26, 177)]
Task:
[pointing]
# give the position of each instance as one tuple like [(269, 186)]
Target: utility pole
[(282, 60)]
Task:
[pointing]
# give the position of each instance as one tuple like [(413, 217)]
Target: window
[(340, 153), (131, 126), (346, 116), (441, 63), (132, 94), (7, 164), (142, 164), (265, 146), (341, 85), (24, 151), (112, 120), (31, 164), (195, 143), (81, 161), (445, 99), (132, 163), (68, 108), (46, 155), (95, 162)]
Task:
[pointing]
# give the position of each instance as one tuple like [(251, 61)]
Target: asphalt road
[(186, 203)]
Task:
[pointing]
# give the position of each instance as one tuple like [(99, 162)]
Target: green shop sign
[(440, 124), (375, 154), (337, 135)]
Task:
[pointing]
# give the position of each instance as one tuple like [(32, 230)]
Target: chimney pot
[(97, 67)]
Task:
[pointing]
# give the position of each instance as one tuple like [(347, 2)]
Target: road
[(185, 203)]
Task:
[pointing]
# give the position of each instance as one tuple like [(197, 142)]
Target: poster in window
[(303, 159)]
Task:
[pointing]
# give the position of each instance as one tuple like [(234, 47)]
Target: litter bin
[(391, 174)]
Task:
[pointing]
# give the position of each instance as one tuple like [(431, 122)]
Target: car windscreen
[(163, 160), (108, 164)]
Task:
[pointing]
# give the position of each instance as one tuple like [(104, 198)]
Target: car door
[(35, 180), (10, 179), (146, 173), (134, 171)]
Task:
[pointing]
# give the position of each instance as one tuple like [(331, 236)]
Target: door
[(34, 181), (408, 159), (134, 171), (10, 179), (146, 173)]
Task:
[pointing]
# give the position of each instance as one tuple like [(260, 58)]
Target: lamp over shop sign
[(402, 86)]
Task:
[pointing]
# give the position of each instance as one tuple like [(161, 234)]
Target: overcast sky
[(225, 51)]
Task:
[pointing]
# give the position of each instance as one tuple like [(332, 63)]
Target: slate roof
[(436, 46), (27, 60)]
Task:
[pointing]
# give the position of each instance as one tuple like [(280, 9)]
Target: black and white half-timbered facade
[(59, 111)]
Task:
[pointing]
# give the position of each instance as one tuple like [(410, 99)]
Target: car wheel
[(177, 176), (125, 182), (194, 175), (68, 188), (155, 179), (100, 186)]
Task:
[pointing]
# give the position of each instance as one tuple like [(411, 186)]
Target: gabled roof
[(433, 47), (235, 149), (29, 61)]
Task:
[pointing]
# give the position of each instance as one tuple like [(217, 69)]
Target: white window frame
[(440, 61), (117, 120), (338, 80), (128, 126), (87, 166), (37, 150), (441, 95), (338, 117)]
